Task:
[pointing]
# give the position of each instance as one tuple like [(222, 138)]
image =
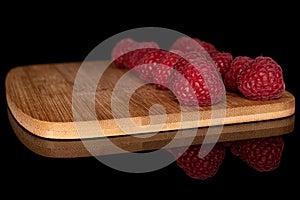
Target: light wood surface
[(78, 148), (40, 99)]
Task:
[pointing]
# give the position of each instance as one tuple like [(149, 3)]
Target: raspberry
[(197, 82), (223, 62), (184, 44), (237, 65), (187, 44), (121, 48), (129, 60), (200, 168), (195, 55), (145, 66), (161, 74), (261, 80), (262, 154), (134, 57), (209, 47)]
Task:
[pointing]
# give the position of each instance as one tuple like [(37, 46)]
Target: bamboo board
[(78, 148), (40, 99)]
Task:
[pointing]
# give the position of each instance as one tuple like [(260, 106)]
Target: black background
[(52, 33)]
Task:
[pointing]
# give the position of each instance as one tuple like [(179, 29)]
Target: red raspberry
[(209, 47), (237, 65), (261, 80), (197, 82), (134, 57), (195, 55), (122, 47), (262, 154), (179, 66), (198, 167), (145, 66), (129, 60), (190, 57), (223, 62), (162, 73), (187, 44), (184, 44)]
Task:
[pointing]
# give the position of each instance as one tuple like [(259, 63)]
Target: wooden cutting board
[(76, 148), (40, 99)]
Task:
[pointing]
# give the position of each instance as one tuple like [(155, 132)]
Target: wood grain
[(41, 98), (78, 148)]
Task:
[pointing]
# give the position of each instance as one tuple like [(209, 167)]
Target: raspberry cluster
[(186, 68), (197, 72), (200, 74)]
